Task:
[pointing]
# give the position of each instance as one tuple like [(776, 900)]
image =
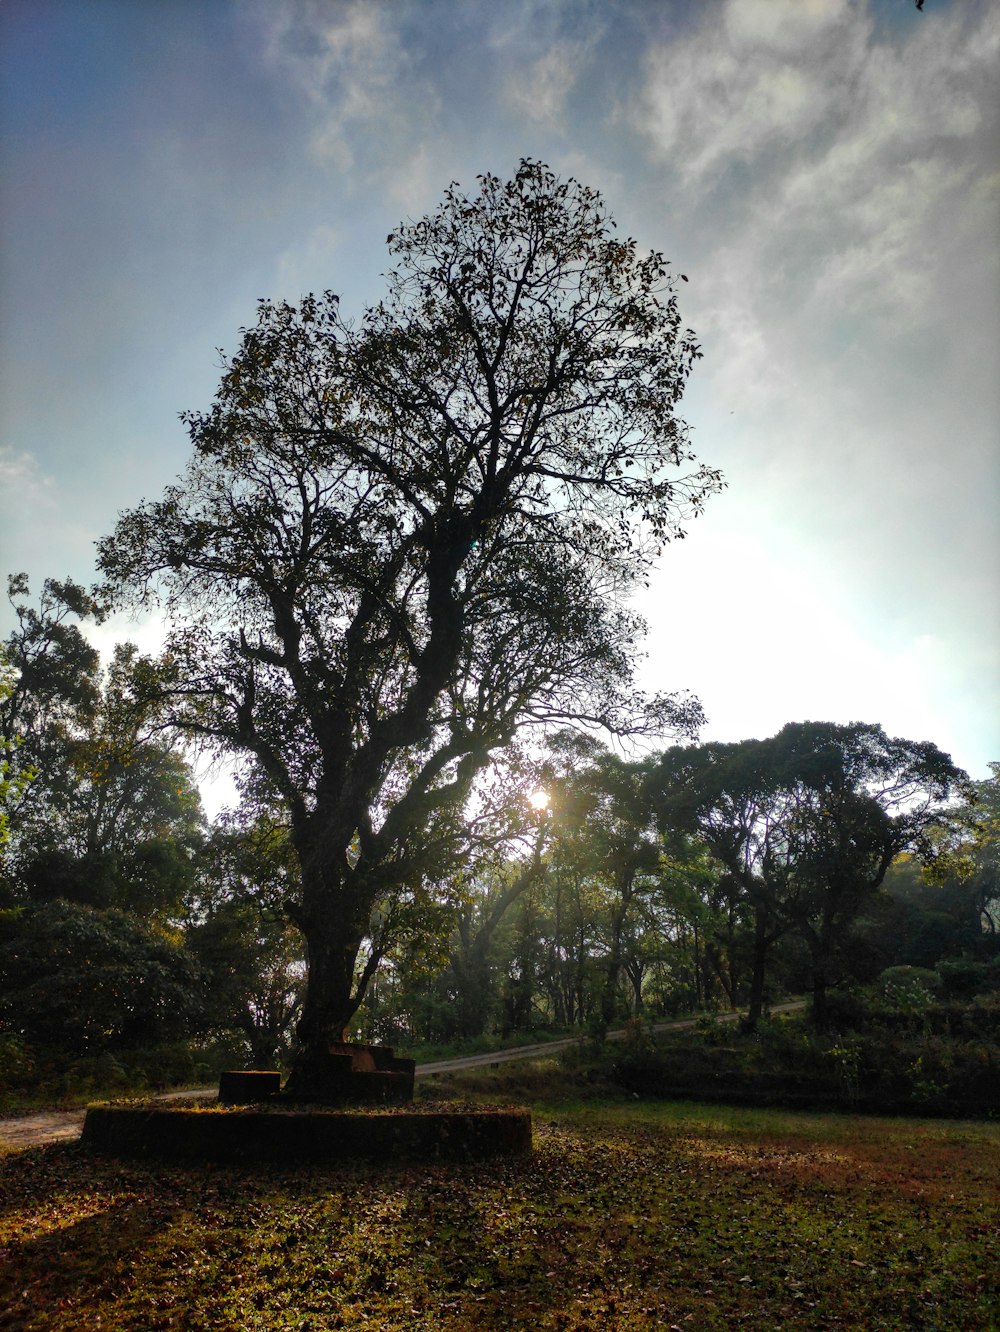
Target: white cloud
[(540, 91), (873, 262), (786, 26), (767, 77), (865, 187), (23, 483), (148, 631), (764, 639), (30, 507), (415, 184), (371, 107), (854, 149)]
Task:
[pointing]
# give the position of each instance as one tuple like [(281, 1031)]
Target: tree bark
[(762, 941), (819, 951), (333, 918)]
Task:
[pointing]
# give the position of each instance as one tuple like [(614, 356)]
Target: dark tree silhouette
[(399, 543)]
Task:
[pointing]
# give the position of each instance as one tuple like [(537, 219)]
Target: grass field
[(629, 1215)]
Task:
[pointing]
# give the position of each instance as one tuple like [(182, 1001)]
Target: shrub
[(83, 980), (638, 1038), (850, 1009), (160, 1065), (17, 1063), (95, 1073), (961, 977), (886, 1067), (909, 985)]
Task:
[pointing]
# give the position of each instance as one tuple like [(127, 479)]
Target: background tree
[(488, 901), (81, 981), (106, 811), (603, 831), (860, 800), (948, 911), (980, 833), (808, 823), (921, 918), (399, 543), (236, 928), (128, 786), (13, 776), (580, 923), (51, 686), (681, 949), (724, 795)]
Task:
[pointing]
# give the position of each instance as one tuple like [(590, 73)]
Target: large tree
[(400, 541), (807, 823)]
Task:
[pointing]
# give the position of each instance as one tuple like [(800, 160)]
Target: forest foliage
[(131, 926)]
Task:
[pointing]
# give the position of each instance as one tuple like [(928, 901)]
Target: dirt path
[(62, 1125), (30, 1130), (553, 1047)]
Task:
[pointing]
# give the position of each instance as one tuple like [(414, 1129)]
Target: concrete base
[(248, 1087), (318, 1136)]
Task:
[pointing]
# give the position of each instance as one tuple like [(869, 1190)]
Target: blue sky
[(825, 172)]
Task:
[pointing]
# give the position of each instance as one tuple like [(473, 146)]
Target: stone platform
[(307, 1135)]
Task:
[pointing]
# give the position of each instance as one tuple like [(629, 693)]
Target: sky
[(824, 172)]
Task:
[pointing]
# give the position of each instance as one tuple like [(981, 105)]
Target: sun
[(539, 799)]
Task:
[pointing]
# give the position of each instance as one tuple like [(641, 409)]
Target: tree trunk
[(820, 958), (471, 970), (718, 969), (820, 1007), (635, 969), (333, 918), (330, 1002), (609, 998), (761, 944)]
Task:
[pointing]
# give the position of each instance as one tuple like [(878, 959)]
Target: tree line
[(598, 888)]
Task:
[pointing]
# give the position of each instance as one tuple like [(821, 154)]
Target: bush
[(40, 1075), (638, 1038), (961, 977), (83, 980), (17, 1064), (881, 1068), (909, 988), (160, 1066), (851, 1009), (96, 1073)]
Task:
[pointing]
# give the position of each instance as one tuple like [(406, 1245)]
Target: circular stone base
[(316, 1135)]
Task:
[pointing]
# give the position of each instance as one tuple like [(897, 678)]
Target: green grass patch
[(629, 1214)]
